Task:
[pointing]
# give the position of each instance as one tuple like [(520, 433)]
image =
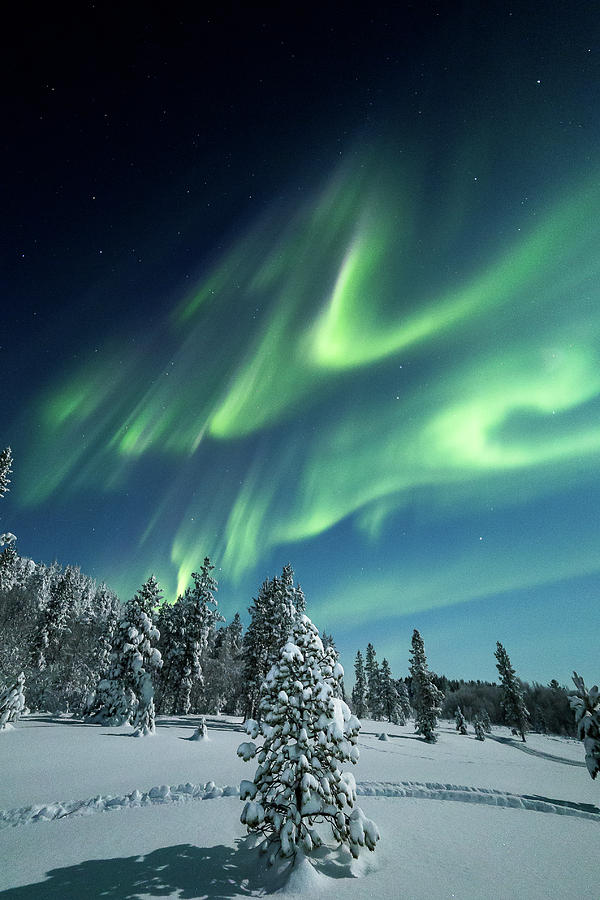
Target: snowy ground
[(89, 811)]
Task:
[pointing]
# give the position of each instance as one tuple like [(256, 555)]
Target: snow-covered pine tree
[(186, 628), (427, 698), (201, 617), (308, 732), (126, 695), (372, 673), (484, 718), (8, 567), (403, 700), (5, 470), (479, 732), (104, 626), (586, 705), (201, 732), (149, 597), (329, 642), (273, 614), (12, 703), (223, 689), (388, 696), (461, 722), (294, 594), (359, 691), (55, 616), (8, 557), (515, 712)]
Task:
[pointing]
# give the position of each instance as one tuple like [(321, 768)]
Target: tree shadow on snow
[(187, 871), (193, 721), (39, 720), (541, 754), (392, 736)]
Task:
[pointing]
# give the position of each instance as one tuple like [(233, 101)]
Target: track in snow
[(183, 793)]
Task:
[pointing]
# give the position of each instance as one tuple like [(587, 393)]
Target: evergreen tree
[(388, 695), (8, 557), (55, 618), (273, 614), (126, 695), (359, 691), (479, 732), (5, 470), (308, 732), (188, 625), (329, 642), (484, 718), (12, 703), (427, 698), (403, 701), (224, 670), (586, 705), (294, 594), (149, 597), (461, 722), (199, 608), (372, 673), (8, 568), (513, 705)]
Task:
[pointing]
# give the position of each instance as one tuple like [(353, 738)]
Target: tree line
[(77, 648)]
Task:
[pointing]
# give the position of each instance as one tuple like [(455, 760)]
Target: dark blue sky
[(319, 289)]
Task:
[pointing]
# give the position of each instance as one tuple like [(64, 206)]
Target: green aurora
[(483, 386)]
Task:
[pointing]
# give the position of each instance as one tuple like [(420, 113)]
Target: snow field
[(427, 851), (497, 841)]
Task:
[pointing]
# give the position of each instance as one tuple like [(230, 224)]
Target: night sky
[(320, 289)]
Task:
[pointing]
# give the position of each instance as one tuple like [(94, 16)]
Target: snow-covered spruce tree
[(8, 557), (5, 470), (223, 688), (328, 641), (126, 695), (149, 597), (272, 616), (8, 567), (388, 696), (359, 691), (427, 698), (484, 718), (187, 624), (12, 703), (515, 712), (403, 700), (372, 673), (586, 705), (293, 593), (308, 733), (461, 722), (103, 629), (479, 732)]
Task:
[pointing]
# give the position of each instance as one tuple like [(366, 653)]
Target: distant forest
[(73, 641)]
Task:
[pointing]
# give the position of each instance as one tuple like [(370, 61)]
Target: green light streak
[(298, 332), (347, 334)]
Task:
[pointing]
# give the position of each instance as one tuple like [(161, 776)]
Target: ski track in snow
[(209, 791)]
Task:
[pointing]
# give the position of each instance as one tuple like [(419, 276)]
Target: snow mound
[(487, 796), (182, 793), (304, 879), (160, 794)]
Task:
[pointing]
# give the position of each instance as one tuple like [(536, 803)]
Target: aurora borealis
[(386, 371)]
